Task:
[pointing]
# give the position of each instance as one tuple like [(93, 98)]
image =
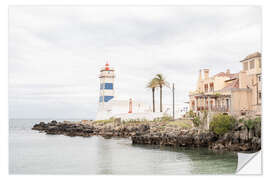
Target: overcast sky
[(55, 53)]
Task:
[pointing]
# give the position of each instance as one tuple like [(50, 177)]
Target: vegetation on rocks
[(184, 124), (251, 123), (195, 119), (222, 124), (107, 121), (164, 118)]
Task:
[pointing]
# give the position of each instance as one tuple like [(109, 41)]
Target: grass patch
[(103, 121), (106, 121), (164, 118), (181, 123)]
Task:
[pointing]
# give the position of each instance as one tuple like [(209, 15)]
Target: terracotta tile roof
[(220, 74), (231, 76), (231, 85), (235, 75)]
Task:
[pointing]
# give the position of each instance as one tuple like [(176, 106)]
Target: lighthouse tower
[(106, 84)]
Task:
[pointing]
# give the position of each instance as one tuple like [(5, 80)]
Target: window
[(245, 66), (252, 64), (260, 63), (108, 86), (227, 104), (206, 87), (211, 86), (260, 95), (107, 98)]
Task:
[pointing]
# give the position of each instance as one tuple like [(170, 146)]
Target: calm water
[(31, 152)]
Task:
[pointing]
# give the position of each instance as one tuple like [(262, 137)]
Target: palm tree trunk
[(160, 98), (153, 93)]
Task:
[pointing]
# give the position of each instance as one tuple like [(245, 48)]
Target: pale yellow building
[(236, 94)]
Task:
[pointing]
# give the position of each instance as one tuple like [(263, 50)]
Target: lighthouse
[(106, 84), (111, 107)]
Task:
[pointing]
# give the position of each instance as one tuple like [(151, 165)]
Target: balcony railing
[(104, 68), (214, 108)]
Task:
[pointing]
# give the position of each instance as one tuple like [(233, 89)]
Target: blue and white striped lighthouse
[(106, 84)]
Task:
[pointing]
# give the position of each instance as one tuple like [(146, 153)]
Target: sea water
[(32, 152)]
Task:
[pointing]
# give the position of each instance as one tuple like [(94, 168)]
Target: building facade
[(232, 93)]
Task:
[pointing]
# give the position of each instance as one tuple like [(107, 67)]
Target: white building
[(109, 106)]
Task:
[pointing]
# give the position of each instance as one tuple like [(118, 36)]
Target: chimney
[(206, 73), (228, 72)]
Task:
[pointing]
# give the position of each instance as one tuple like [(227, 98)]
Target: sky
[(56, 52)]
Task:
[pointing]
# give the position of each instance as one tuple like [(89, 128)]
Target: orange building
[(236, 94)]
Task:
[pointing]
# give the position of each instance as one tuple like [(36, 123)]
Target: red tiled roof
[(220, 74), (231, 85), (235, 75), (231, 76)]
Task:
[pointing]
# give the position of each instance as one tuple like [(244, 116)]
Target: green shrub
[(241, 120), (196, 121), (222, 124), (253, 123), (191, 114), (258, 122)]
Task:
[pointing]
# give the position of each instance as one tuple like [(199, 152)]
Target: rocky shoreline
[(159, 133)]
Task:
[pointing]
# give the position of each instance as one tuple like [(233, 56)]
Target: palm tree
[(152, 85), (160, 80)]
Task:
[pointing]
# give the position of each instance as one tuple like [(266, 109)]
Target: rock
[(236, 137), (239, 127), (88, 131), (245, 147), (250, 134), (227, 137), (243, 135), (158, 133), (53, 122)]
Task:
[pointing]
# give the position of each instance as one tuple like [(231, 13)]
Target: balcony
[(214, 108), (104, 69)]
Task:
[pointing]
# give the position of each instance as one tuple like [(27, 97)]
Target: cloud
[(55, 53)]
